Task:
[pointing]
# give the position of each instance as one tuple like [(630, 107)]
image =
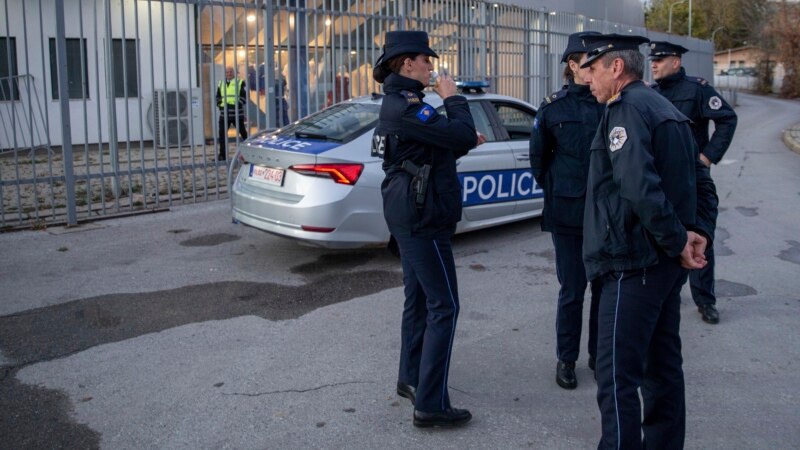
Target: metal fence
[(108, 106)]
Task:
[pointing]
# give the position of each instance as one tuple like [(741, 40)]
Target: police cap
[(403, 42), (662, 49), (597, 46), (575, 44)]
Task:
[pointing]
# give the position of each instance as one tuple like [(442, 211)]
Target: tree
[(742, 20), (784, 34)]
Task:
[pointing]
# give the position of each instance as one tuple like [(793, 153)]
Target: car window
[(342, 122), (480, 118), (517, 121)]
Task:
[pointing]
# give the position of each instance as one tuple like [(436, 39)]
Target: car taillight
[(340, 173)]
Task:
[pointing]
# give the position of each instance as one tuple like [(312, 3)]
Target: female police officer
[(559, 149), (422, 204)]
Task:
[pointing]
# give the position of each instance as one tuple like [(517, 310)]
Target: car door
[(482, 173), (516, 121)]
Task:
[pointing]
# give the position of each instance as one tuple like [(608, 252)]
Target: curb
[(791, 137)]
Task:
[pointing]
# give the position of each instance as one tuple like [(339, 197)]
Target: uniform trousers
[(702, 281), (225, 123), (639, 346), (569, 315), (430, 313)]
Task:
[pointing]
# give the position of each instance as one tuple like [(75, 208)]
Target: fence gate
[(108, 106)]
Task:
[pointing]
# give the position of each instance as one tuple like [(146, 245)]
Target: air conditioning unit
[(177, 118)]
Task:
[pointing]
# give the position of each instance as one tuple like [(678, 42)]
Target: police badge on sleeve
[(617, 138), (715, 103)]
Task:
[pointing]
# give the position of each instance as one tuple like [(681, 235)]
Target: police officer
[(563, 130), (231, 98), (697, 100), (422, 204), (650, 209)]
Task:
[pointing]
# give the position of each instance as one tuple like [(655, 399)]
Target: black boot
[(565, 375)]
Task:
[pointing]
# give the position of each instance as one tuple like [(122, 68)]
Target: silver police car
[(315, 181)]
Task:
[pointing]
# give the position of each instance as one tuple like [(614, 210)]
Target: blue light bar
[(472, 84)]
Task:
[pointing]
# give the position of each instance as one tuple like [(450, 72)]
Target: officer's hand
[(693, 254), (481, 139), (705, 160), (446, 87)]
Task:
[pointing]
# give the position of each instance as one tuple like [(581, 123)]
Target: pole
[(669, 28), (63, 99), (690, 18)]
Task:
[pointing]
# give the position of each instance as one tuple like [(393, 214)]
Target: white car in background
[(315, 181)]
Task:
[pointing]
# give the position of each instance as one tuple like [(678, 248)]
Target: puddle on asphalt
[(791, 254), (210, 240), (60, 330), (720, 236), (747, 212), (725, 288), (334, 261)]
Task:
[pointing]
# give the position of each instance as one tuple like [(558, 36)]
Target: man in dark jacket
[(650, 205), (565, 125), (698, 101)]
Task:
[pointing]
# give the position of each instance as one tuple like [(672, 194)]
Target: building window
[(127, 74), (77, 69), (9, 84)]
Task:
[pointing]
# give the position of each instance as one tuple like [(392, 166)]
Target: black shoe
[(592, 363), (565, 375), (407, 391), (709, 313), (448, 418)]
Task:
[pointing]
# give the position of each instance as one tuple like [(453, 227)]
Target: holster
[(419, 184)]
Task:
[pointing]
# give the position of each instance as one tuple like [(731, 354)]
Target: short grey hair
[(633, 59)]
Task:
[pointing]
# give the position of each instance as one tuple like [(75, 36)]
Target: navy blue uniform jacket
[(563, 131), (410, 129), (698, 101), (646, 185)]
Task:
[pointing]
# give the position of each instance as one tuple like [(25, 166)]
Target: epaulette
[(616, 98), (699, 80), (555, 96), (411, 97)]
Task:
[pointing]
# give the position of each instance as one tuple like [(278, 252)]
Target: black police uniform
[(565, 125), (409, 130), (646, 187), (701, 103)]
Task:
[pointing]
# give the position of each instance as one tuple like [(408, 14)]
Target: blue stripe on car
[(299, 145), (497, 186)]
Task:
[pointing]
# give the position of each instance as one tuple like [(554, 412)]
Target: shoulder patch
[(715, 103), (535, 123), (617, 138), (410, 97), (555, 96), (699, 80), (425, 113)]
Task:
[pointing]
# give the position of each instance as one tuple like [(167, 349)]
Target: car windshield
[(339, 123)]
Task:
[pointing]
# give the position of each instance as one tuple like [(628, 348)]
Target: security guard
[(563, 130), (697, 100), (231, 98), (421, 205), (650, 209)]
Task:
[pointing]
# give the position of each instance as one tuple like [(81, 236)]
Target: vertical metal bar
[(125, 93), (190, 106), (177, 97), (101, 170), (166, 98), (269, 18), (66, 131), (113, 141), (199, 52), (153, 105), (137, 41), (84, 110)]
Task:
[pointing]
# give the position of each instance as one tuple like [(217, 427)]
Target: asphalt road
[(182, 330)]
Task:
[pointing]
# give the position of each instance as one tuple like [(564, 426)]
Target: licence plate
[(269, 175)]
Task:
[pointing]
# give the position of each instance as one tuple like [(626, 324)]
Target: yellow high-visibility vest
[(229, 92)]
